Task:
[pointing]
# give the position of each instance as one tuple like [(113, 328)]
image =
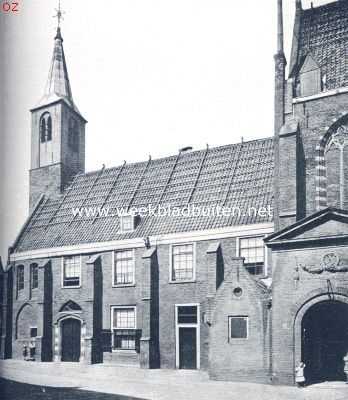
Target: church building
[(245, 295)]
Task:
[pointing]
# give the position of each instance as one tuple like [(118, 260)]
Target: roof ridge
[(95, 171)]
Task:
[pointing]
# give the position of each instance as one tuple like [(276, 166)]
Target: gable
[(323, 31), (324, 225), (309, 65), (326, 229)]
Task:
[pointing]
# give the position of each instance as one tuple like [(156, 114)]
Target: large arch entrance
[(324, 341)]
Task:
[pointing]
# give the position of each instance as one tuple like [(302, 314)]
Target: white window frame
[(62, 274), (113, 259), (265, 271), (112, 308), (121, 223), (194, 264), (231, 339), (197, 325)]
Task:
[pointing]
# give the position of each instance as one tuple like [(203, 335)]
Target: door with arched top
[(71, 340)]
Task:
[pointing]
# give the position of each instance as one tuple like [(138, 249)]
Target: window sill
[(71, 287), (124, 285), (124, 351), (181, 282)]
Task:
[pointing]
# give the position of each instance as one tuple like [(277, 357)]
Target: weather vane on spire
[(59, 14)]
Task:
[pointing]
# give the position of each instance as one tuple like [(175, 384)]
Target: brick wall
[(240, 359), (97, 295), (295, 291)]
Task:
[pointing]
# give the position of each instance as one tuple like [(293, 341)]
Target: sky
[(150, 76)]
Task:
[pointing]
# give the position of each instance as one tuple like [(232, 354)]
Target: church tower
[(311, 114), (57, 132)]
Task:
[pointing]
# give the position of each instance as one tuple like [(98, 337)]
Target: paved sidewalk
[(159, 384)]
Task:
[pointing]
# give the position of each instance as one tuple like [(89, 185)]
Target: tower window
[(45, 128), (74, 135)]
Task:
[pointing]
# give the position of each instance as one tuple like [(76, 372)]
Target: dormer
[(309, 79)]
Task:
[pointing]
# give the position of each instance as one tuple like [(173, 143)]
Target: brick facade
[(306, 261)]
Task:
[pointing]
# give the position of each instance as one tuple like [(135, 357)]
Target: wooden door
[(188, 348), (71, 340)]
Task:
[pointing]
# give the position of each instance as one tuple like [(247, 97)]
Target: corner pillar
[(149, 312), (213, 267), (90, 331)]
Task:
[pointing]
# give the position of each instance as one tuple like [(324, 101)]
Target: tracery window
[(336, 160)]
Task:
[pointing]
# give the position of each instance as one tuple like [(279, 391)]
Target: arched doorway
[(71, 339), (324, 341)]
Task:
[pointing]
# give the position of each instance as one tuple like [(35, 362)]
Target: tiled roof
[(238, 175), (324, 32)]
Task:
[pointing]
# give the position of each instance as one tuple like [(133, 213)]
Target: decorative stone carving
[(339, 138), (330, 263)]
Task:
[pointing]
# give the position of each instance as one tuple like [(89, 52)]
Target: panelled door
[(187, 348), (71, 340)]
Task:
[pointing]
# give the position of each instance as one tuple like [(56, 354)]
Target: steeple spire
[(58, 84), (280, 33)]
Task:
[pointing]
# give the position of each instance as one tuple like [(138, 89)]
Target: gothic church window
[(336, 160), (45, 128), (73, 135)]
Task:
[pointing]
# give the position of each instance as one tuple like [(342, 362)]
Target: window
[(20, 277), (72, 271), (73, 138), (124, 268), (253, 251), (187, 314), (45, 128), (34, 276), (124, 333), (238, 327), (33, 332), (336, 157), (127, 223), (182, 265)]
